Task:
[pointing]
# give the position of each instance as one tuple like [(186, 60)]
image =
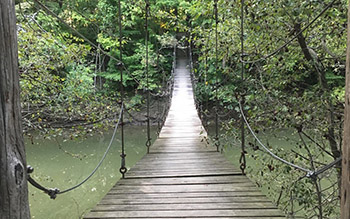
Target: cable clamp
[(30, 169), (311, 175), (53, 193)]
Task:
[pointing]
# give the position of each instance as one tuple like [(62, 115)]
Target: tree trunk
[(345, 190), (311, 56), (13, 174)]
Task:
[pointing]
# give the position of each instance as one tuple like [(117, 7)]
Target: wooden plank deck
[(183, 177)]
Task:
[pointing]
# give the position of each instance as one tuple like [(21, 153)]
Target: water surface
[(64, 164)]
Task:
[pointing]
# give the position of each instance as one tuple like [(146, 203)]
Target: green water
[(56, 168), (64, 164)]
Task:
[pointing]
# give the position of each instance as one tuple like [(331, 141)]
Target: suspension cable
[(119, 62), (217, 140), (207, 50), (242, 159), (48, 11), (293, 38), (309, 173), (53, 192), (266, 149), (325, 167), (148, 142), (122, 169)]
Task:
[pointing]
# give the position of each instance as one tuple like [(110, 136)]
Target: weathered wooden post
[(345, 190), (13, 171)]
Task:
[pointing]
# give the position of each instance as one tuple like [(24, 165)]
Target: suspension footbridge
[(183, 176)]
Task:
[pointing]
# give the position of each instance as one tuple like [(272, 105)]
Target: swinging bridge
[(182, 175)]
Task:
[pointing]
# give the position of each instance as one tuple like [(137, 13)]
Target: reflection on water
[(64, 164)]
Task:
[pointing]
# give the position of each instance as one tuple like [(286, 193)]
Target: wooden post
[(13, 170), (345, 190)]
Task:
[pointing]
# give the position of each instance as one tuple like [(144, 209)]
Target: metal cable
[(217, 141), (293, 38), (324, 168), (48, 11), (53, 192), (74, 30), (309, 172), (122, 169), (242, 159), (148, 142)]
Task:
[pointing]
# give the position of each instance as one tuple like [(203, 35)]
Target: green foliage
[(68, 83), (284, 91)]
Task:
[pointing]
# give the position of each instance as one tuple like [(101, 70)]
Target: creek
[(62, 164)]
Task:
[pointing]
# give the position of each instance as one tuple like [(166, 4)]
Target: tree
[(13, 180), (345, 191), (298, 87)]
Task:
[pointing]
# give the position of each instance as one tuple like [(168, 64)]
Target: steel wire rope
[(217, 140), (122, 169), (207, 49), (159, 94), (74, 30), (309, 173), (48, 11), (265, 147), (53, 192), (149, 139), (242, 159), (291, 39), (163, 92), (206, 61)]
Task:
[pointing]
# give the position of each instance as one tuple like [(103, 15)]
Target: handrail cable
[(75, 31), (326, 167), (48, 11), (53, 192), (265, 147), (148, 142), (242, 159), (122, 169), (309, 173), (293, 38)]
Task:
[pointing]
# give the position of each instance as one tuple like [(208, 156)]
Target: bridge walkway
[(182, 176)]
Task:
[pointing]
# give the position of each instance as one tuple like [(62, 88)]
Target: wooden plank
[(130, 189), (187, 180), (182, 200), (186, 213), (189, 156), (214, 196), (181, 150), (159, 164), (164, 174), (180, 168), (199, 161), (188, 206)]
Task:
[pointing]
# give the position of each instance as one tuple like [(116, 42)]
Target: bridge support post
[(345, 190)]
